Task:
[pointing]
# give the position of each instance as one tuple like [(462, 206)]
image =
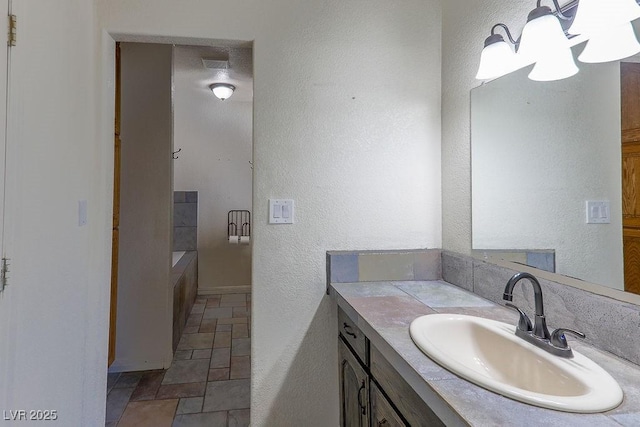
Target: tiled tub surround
[(185, 220), (384, 309), (184, 278)]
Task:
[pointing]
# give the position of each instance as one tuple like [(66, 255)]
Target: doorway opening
[(185, 160)]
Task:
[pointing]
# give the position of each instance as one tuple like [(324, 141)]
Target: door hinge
[(11, 36), (4, 278)]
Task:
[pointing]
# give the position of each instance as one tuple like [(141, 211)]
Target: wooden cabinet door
[(630, 113), (354, 390), (115, 236), (382, 413)]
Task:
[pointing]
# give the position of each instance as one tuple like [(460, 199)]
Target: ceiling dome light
[(496, 59), (222, 90), (611, 44), (595, 15), (541, 34)]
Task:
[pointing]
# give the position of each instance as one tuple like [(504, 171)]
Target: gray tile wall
[(609, 324), (380, 266), (185, 220), (542, 259)]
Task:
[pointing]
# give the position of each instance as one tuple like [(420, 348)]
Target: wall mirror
[(540, 151)]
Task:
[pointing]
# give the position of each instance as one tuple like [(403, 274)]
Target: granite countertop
[(384, 310)]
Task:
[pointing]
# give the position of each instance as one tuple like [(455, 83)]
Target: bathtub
[(176, 257)]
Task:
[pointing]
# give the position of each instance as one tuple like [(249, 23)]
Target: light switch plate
[(281, 211), (598, 212)]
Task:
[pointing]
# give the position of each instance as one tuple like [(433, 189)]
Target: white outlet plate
[(281, 211)]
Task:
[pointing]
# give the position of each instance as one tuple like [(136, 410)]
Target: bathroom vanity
[(371, 390), (385, 380)]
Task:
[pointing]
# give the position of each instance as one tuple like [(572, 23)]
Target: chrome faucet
[(538, 335)]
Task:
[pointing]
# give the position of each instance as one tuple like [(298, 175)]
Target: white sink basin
[(489, 354)]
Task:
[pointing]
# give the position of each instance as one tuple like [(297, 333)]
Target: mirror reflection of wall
[(540, 150)]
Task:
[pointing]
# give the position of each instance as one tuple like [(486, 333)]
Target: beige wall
[(216, 141), (145, 297), (347, 123)]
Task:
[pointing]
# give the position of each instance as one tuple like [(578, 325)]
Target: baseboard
[(137, 366), (243, 289)]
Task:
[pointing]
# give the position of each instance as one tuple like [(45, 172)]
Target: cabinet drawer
[(382, 413), (353, 336)]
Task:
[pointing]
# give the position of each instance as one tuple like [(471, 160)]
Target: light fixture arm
[(506, 29), (558, 10)]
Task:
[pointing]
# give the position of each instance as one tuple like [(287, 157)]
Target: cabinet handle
[(384, 422), (345, 326), (362, 407)]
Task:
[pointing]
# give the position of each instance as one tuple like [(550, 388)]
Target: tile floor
[(208, 381)]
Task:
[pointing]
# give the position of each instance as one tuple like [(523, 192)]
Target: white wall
[(347, 123), (537, 155), (145, 293), (216, 141), (57, 302)]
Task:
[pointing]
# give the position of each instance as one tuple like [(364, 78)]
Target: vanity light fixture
[(605, 25), (497, 57), (595, 15), (543, 41), (222, 90), (609, 29), (611, 44)]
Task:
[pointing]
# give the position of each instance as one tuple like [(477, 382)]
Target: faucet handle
[(524, 324), (558, 339)]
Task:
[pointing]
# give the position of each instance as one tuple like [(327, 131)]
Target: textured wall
[(145, 294), (347, 123)]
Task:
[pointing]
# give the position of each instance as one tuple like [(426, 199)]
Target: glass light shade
[(222, 90), (611, 44), (557, 64), (594, 15), (539, 36), (496, 59)]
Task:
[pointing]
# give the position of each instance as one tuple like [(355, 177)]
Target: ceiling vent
[(215, 64)]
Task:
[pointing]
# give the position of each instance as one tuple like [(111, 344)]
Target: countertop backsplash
[(609, 324)]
